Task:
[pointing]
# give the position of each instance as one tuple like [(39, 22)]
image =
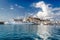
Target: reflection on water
[(43, 31), (30, 32)]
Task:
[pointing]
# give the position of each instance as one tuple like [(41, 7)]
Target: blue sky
[(14, 8)]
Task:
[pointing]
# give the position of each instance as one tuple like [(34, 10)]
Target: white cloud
[(11, 7), (44, 8), (54, 9), (47, 10), (16, 4), (19, 6)]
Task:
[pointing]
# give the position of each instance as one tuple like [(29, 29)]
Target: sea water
[(29, 32)]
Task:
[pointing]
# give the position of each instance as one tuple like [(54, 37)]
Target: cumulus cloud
[(44, 8), (47, 11)]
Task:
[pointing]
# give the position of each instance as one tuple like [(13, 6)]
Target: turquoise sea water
[(29, 32)]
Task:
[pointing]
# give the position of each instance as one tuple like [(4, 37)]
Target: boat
[(1, 22)]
